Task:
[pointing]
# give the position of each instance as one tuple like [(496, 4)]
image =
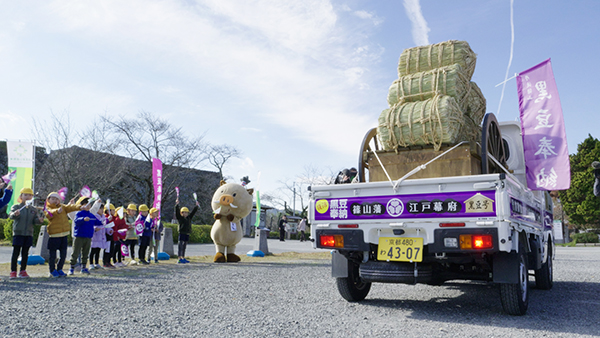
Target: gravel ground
[(296, 298)]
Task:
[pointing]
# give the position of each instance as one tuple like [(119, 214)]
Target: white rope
[(512, 45), (382, 167), (423, 166)]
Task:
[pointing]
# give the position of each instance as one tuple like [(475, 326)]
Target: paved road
[(292, 299), (247, 244)]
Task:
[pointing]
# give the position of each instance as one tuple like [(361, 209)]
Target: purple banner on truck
[(438, 205)]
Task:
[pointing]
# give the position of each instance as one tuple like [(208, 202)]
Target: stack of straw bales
[(434, 100)]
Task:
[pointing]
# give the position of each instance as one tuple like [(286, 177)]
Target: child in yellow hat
[(131, 238), (24, 216), (184, 218), (144, 230), (157, 229), (58, 230)]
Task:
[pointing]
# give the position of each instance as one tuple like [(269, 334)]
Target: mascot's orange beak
[(226, 200)]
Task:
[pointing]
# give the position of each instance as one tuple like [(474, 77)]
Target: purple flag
[(62, 192), (85, 191), (139, 225), (157, 180), (9, 177), (124, 250), (543, 127)]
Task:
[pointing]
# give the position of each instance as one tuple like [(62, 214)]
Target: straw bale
[(424, 58), (476, 104), (449, 80), (435, 121)]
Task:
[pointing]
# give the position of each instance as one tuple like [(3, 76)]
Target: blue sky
[(290, 83)]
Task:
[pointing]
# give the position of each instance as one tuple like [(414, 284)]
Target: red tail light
[(448, 225), (476, 242), (341, 226), (483, 242), (332, 241)]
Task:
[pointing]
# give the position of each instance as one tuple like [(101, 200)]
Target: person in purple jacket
[(83, 231), (146, 235)]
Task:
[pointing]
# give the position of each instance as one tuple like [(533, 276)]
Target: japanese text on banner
[(542, 123)]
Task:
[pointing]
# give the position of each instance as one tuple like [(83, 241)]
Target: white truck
[(487, 227)]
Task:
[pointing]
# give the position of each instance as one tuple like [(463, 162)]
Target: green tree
[(580, 204)]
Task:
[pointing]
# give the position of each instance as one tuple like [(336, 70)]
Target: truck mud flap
[(395, 272), (506, 268), (339, 265)]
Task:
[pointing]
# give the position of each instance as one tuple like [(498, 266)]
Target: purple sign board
[(543, 127), (417, 206)]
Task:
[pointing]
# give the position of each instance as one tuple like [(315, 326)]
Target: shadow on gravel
[(569, 307), (280, 264)]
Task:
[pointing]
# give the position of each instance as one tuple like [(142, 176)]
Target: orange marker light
[(465, 242), (332, 241)]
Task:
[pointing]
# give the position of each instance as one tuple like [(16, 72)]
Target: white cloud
[(420, 30), (10, 117), (254, 130), (300, 64), (171, 89), (247, 163), (369, 16)]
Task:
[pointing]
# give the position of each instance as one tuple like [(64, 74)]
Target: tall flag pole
[(257, 222)]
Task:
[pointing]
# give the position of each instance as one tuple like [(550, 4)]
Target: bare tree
[(148, 136), (219, 155), (69, 165), (296, 189)]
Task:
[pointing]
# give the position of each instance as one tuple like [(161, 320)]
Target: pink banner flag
[(543, 128), (157, 180), (62, 192), (9, 177), (85, 191), (124, 250), (139, 225)]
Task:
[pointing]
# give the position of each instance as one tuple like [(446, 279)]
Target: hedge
[(200, 233), (3, 223), (585, 237), (7, 234)]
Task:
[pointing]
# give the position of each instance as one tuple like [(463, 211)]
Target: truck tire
[(544, 276), (353, 288), (515, 297)]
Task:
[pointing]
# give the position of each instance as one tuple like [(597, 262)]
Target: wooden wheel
[(491, 144), (366, 146)]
